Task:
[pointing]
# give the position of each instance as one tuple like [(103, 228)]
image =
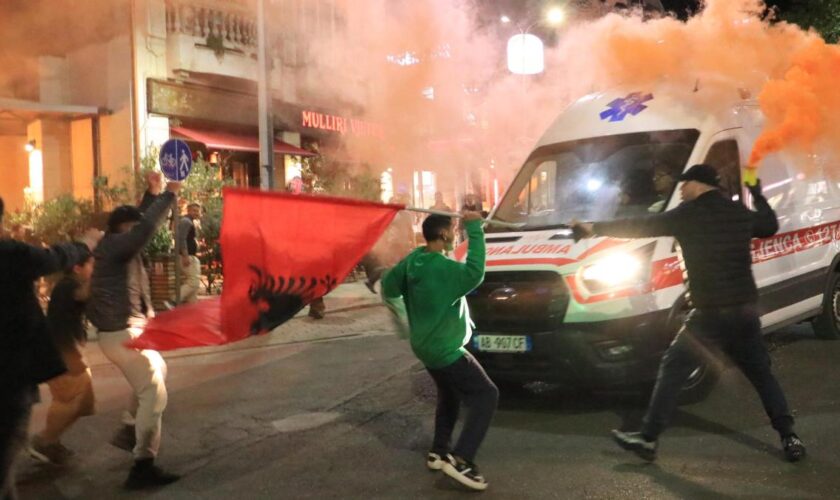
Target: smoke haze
[(482, 113)]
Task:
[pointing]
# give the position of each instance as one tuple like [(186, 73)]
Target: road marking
[(305, 421)]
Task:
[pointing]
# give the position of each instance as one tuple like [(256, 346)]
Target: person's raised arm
[(664, 224), (470, 274), (127, 245)]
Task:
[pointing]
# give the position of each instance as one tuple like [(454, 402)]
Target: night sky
[(682, 6)]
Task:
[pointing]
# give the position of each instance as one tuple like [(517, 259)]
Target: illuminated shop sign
[(341, 124)]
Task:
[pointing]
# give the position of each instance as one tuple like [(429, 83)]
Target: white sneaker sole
[(436, 465), (450, 471)]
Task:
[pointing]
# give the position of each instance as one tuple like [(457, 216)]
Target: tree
[(322, 175), (821, 15)]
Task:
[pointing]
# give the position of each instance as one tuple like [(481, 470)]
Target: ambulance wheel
[(699, 385), (703, 379), (827, 324)]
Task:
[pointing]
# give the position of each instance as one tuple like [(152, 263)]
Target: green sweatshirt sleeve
[(393, 281), (470, 274)]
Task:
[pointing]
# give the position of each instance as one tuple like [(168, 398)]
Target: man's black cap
[(125, 213), (702, 173)]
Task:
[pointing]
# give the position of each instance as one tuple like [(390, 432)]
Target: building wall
[(151, 61), (50, 165), (116, 148), (14, 171), (100, 75), (81, 144)]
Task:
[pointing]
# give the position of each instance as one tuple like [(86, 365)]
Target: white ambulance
[(600, 312)]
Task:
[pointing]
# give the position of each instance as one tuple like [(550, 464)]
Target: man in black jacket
[(27, 354), (714, 235)]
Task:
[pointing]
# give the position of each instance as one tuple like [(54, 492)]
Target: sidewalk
[(301, 328)]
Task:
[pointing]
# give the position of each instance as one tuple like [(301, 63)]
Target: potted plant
[(161, 267)]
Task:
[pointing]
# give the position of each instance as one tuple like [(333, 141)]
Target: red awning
[(234, 142)]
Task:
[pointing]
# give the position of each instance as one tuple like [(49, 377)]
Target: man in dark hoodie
[(714, 234), (27, 354), (117, 309), (433, 288)]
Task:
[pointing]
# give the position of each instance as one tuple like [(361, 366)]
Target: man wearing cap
[(713, 233), (118, 308)]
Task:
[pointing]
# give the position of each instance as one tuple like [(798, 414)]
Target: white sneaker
[(465, 473), (435, 461)]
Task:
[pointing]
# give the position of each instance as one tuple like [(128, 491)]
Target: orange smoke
[(802, 107), (726, 50)]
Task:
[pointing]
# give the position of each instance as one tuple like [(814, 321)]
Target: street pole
[(266, 123), (176, 212)]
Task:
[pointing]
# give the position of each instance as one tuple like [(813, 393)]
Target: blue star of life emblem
[(633, 104)]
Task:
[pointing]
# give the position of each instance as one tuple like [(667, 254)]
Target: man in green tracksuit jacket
[(433, 289)]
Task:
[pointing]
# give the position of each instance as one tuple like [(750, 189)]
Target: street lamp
[(525, 52), (555, 16)]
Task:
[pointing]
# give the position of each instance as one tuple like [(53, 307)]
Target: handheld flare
[(750, 175)]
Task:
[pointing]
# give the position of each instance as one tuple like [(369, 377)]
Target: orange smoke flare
[(801, 108)]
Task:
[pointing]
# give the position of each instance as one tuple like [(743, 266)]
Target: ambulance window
[(597, 178), (726, 159), (541, 189)]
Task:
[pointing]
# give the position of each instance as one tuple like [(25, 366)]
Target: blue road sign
[(175, 160)]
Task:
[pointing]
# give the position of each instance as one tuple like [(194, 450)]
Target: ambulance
[(599, 313)]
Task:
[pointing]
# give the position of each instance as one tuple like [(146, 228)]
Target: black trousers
[(15, 408), (464, 381), (732, 331)]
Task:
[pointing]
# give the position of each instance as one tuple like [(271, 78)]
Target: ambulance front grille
[(519, 302)]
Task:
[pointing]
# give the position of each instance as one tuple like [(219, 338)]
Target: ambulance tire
[(826, 324), (699, 385)]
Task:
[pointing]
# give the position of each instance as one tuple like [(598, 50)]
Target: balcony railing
[(232, 24)]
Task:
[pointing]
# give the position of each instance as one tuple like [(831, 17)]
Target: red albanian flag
[(280, 252)]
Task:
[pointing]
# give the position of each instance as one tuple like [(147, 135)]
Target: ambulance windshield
[(599, 178)]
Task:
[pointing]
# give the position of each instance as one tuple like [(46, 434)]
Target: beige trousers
[(192, 280), (146, 372)]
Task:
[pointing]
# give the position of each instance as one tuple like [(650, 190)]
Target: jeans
[(15, 408), (463, 381), (733, 331), (146, 372)]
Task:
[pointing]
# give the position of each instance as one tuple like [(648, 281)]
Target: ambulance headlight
[(620, 270), (614, 270)]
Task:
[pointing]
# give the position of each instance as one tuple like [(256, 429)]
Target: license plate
[(502, 343)]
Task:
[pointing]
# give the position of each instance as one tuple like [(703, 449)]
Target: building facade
[(150, 70)]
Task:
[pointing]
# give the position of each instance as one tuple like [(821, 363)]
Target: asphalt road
[(349, 415)]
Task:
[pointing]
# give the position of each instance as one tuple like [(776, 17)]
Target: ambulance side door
[(818, 212)]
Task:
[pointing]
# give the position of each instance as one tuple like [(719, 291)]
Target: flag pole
[(512, 225)]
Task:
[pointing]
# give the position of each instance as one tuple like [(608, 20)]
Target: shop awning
[(234, 142)]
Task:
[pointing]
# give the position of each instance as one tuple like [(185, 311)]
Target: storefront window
[(293, 168), (386, 181), (425, 183)]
